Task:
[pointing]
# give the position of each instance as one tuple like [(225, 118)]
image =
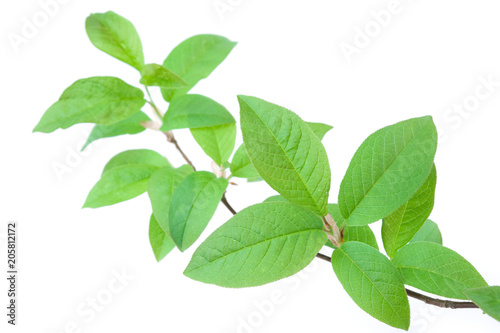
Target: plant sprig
[(391, 177)]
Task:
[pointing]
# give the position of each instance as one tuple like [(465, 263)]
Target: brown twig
[(171, 138), (440, 302), (323, 257), (169, 134), (226, 203), (426, 299)]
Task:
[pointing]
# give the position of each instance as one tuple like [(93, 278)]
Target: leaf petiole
[(153, 105)]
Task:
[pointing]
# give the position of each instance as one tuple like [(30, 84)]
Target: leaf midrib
[(288, 158), (383, 173), (171, 178), (78, 114), (253, 245), (432, 272), (191, 209), (400, 224), (157, 77), (196, 60), (383, 295), (117, 189), (242, 167), (132, 59)]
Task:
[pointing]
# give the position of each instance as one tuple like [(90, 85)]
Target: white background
[(429, 57)]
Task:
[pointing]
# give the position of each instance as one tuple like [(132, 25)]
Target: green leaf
[(428, 233), (261, 244), (136, 156), (216, 141), (159, 76), (131, 125), (330, 244), (387, 169), (319, 129), (195, 111), (276, 198), (241, 166), (286, 153), (363, 234), (160, 241), (116, 36), (120, 184), (334, 211), (101, 100), (125, 176), (161, 187), (436, 269), (192, 206), (400, 227), (487, 298), (194, 59), (373, 282)]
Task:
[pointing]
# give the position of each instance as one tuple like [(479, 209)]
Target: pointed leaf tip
[(286, 153)]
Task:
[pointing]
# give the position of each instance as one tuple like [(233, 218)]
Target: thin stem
[(323, 257), (171, 138), (441, 303), (158, 113), (169, 134), (426, 299), (226, 203)]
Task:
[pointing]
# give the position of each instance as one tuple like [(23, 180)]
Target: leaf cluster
[(391, 177)]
